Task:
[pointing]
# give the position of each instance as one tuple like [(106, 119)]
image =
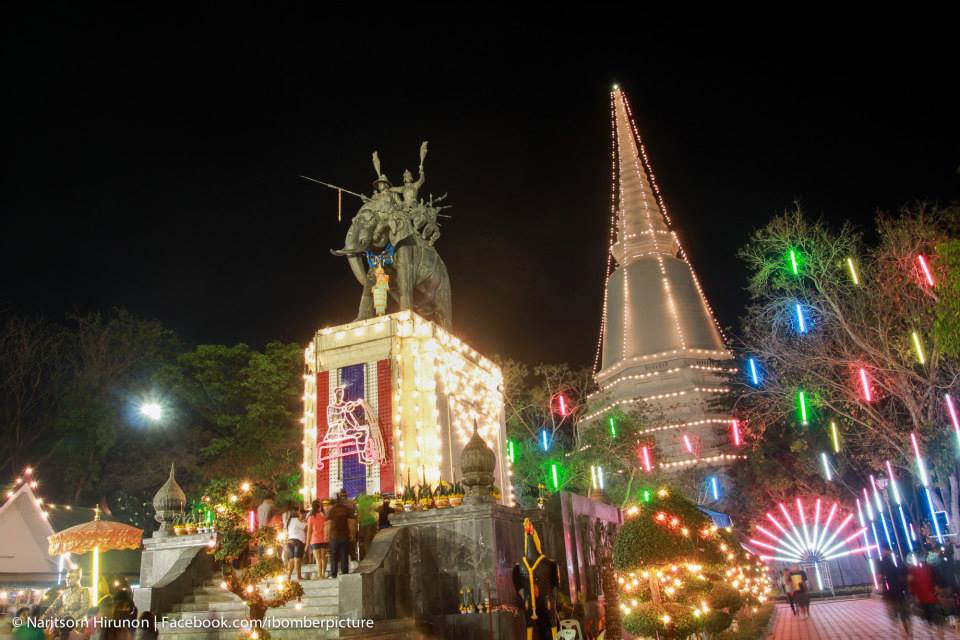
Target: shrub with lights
[(245, 573), (679, 574)]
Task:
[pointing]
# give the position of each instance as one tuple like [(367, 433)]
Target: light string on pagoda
[(666, 214), (658, 396), (612, 234), (622, 241)]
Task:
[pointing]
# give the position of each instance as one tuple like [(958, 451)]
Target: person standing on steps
[(317, 537), (296, 541), (339, 518)]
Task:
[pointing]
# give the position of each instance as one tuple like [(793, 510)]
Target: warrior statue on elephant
[(390, 245)]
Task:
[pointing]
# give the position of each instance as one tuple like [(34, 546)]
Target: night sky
[(153, 164)]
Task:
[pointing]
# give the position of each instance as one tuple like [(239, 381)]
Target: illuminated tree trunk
[(611, 595), (655, 589)]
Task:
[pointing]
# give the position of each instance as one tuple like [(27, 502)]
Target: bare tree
[(848, 325), (31, 376)]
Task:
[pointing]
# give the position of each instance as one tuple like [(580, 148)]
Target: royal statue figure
[(73, 602), (537, 578), (390, 248)]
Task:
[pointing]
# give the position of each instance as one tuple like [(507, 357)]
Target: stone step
[(220, 596), (231, 605), (210, 614), (307, 611)]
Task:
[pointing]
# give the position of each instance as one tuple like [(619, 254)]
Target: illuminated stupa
[(660, 343)]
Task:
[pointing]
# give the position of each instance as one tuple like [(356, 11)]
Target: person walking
[(317, 537), (296, 542), (923, 585), (383, 519), (340, 536), (894, 590), (787, 585), (265, 510), (367, 519)]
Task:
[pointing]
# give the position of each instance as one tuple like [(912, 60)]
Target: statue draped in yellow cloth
[(380, 289), (536, 578)]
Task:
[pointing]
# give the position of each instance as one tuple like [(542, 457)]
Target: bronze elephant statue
[(419, 279)]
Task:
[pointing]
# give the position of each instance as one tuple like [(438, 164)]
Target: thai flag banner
[(355, 430)]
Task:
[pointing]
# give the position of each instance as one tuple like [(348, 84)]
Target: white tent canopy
[(23, 541)]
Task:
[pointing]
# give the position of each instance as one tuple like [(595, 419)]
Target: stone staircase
[(212, 612)]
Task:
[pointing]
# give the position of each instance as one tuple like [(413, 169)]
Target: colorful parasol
[(85, 537), (97, 535)]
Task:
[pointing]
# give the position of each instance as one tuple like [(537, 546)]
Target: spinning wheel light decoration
[(803, 544)]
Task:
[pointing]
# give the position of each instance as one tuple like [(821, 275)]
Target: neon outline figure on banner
[(349, 435)]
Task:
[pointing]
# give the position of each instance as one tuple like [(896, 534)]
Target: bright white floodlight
[(152, 411)]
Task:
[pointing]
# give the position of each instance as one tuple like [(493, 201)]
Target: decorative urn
[(168, 504), (477, 463)]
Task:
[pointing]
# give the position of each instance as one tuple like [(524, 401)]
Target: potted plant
[(426, 497), (443, 495), (409, 498), (190, 526), (456, 495), (178, 528)]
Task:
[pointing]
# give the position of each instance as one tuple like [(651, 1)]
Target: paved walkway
[(860, 619)]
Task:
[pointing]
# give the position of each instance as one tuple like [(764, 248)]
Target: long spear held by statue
[(340, 192)]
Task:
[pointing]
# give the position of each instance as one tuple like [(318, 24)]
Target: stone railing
[(170, 568)]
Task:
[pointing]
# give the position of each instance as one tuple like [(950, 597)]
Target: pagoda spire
[(653, 303), (660, 346), (642, 227)]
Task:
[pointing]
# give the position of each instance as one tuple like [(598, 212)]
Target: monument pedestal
[(416, 387), (170, 568)]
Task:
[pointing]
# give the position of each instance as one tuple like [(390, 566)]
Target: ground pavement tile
[(857, 619)]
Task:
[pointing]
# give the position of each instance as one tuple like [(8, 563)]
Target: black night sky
[(152, 163)]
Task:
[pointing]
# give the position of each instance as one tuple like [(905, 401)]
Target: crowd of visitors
[(928, 585), (331, 533)]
